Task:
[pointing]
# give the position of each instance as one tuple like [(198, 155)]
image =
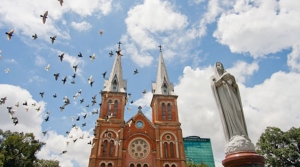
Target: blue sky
[(257, 41)]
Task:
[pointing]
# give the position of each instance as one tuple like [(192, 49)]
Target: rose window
[(139, 148)]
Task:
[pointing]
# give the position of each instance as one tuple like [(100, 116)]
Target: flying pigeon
[(101, 32), (42, 94), (9, 34), (34, 37), (7, 70), (61, 2), (75, 67), (79, 55), (103, 74), (47, 119), (61, 57), (91, 80), (92, 58), (135, 71), (48, 67), (111, 54), (53, 39), (44, 17), (56, 76), (64, 80)]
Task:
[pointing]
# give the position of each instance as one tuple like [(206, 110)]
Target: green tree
[(280, 148), (19, 150), (191, 164)]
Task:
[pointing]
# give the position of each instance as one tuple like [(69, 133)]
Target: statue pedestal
[(243, 159)]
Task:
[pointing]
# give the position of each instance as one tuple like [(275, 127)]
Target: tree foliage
[(191, 164), (280, 148), (19, 149)]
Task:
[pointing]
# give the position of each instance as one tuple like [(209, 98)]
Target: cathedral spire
[(162, 85), (115, 83)]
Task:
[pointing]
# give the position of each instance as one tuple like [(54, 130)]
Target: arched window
[(111, 148), (167, 165), (166, 149), (172, 150), (109, 165), (115, 107), (109, 107), (145, 165), (173, 165), (115, 84), (139, 165), (169, 112), (163, 108), (102, 165), (131, 165), (105, 147)]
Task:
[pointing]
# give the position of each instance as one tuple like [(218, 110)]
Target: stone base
[(243, 159)]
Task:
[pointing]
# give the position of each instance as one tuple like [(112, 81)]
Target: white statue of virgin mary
[(227, 96)]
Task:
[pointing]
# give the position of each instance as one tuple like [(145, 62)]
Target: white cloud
[(31, 22), (40, 61), (31, 122), (260, 28), (213, 10), (83, 26), (293, 60), (28, 121), (148, 29), (241, 70), (13, 61)]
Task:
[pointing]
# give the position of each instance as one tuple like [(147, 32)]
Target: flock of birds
[(66, 100)]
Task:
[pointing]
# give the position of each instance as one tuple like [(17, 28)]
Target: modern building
[(137, 142), (198, 150)]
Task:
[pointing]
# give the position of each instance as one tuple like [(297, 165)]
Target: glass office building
[(198, 150)]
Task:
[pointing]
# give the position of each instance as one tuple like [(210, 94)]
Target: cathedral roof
[(115, 81), (162, 85)]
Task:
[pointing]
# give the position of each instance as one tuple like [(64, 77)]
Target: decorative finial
[(119, 43), (160, 48), (140, 109)]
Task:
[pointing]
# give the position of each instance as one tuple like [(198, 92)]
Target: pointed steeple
[(162, 85), (115, 83)]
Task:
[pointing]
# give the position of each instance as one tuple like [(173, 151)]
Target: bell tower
[(107, 144), (170, 147)]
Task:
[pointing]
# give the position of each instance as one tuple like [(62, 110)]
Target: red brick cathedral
[(137, 142)]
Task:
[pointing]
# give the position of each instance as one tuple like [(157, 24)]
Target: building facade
[(137, 142), (198, 150)]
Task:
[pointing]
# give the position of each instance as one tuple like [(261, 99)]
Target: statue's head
[(219, 69)]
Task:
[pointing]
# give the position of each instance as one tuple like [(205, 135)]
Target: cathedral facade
[(137, 142)]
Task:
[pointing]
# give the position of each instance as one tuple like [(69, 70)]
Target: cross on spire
[(119, 44), (160, 48)]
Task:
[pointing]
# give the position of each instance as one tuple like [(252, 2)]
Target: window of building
[(105, 147), (173, 165), (131, 165), (115, 84), (169, 112), (115, 107), (166, 150), (102, 165), (167, 165), (163, 108), (172, 150), (109, 107), (139, 165), (145, 165), (111, 148), (110, 165)]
